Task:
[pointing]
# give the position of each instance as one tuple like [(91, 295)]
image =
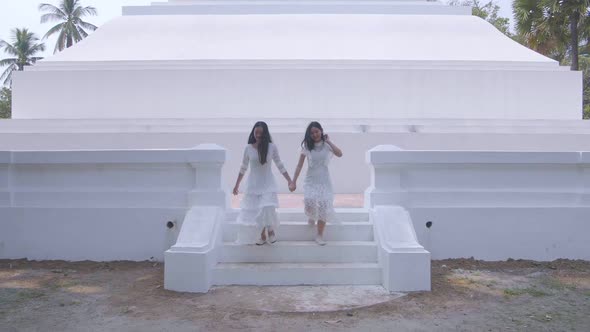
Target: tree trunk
[(69, 42), (575, 17)]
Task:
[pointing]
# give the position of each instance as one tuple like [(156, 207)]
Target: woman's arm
[(335, 149), (297, 172), (277, 159), (243, 169)]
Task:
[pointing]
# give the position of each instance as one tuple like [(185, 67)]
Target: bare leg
[(263, 234), (271, 235), (262, 239), (319, 239), (321, 226)]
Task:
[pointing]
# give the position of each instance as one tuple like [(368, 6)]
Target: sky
[(24, 13)]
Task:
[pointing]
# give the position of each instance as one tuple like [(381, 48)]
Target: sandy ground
[(467, 295)]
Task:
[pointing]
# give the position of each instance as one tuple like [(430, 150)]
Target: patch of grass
[(463, 281), (522, 291), (557, 284), (491, 283), (26, 295), (534, 292), (513, 292), (59, 284)]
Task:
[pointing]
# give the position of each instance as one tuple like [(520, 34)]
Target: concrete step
[(300, 252), (298, 231), (297, 215), (297, 274)]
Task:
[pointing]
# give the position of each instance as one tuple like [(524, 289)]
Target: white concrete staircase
[(349, 258)]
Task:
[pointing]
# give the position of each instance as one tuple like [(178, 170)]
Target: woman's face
[(316, 135), (258, 133)]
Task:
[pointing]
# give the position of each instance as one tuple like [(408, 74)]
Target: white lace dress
[(259, 203), (318, 197)]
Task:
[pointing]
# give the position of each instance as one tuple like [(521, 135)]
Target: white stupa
[(384, 59)]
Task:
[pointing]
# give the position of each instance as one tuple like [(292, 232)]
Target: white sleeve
[(245, 162), (277, 159)]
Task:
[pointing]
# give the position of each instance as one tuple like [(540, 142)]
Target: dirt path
[(467, 295)]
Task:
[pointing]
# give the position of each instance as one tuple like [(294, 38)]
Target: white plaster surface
[(404, 261), (489, 205), (99, 205), (419, 40), (229, 7)]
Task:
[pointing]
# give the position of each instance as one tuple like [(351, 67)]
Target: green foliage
[(488, 11), (23, 49), (5, 103)]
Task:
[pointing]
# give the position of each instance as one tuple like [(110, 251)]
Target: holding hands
[(292, 186)]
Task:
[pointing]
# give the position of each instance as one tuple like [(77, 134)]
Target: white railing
[(491, 205), (478, 178), (103, 205)]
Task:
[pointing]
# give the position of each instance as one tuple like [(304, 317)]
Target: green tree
[(5, 103), (23, 49), (555, 28), (489, 12), (71, 28)]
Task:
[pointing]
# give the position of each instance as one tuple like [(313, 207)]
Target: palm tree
[(71, 28), (23, 49), (576, 11), (553, 27)]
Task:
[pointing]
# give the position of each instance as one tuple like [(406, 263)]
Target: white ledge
[(382, 156), (202, 154)]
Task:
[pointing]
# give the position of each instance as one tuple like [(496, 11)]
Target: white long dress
[(318, 196), (259, 203)]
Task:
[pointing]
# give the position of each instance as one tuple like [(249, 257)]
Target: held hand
[(292, 186), (235, 191), (326, 138)]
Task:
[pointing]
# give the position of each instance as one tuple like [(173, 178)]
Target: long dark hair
[(263, 144), (308, 142)]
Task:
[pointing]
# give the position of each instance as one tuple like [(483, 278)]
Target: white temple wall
[(116, 205), (427, 93), (354, 146)]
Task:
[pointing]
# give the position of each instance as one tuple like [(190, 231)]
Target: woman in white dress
[(258, 206), (318, 197)]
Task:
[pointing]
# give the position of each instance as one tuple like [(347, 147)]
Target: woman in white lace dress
[(318, 197), (258, 206)]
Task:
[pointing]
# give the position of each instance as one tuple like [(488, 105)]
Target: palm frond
[(6, 76), (51, 9), (84, 11), (7, 62), (60, 44), (88, 26), (51, 17), (55, 29)]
